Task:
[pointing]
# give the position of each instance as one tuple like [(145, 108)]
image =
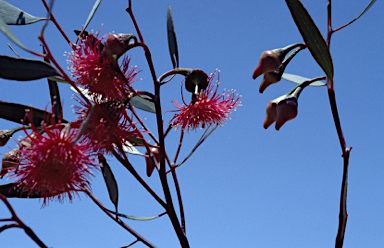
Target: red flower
[(96, 71), (209, 108), (109, 124), (53, 163)]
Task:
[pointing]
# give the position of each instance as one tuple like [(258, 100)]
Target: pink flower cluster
[(57, 161)]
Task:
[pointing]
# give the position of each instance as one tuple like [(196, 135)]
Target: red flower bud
[(286, 110), (118, 43), (269, 62), (4, 137), (281, 110), (149, 161), (269, 78), (271, 114)]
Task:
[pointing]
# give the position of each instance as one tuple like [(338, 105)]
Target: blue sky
[(245, 186)]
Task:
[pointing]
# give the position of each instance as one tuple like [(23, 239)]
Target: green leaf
[(312, 36), (17, 113), (12, 15), (91, 14), (25, 69), (110, 181), (131, 149), (131, 217), (60, 80), (365, 10), (201, 140), (298, 79), (142, 103), (172, 42), (5, 29)]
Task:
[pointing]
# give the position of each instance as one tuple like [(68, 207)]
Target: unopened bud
[(4, 137), (286, 110), (149, 161), (10, 160), (269, 78), (118, 44), (271, 114), (269, 62)]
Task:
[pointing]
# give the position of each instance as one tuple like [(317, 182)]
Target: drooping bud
[(4, 137), (269, 62), (10, 160), (269, 78), (118, 44), (272, 64), (286, 110), (271, 114), (149, 161)]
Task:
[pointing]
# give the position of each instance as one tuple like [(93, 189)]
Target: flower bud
[(4, 137), (271, 114), (286, 110), (118, 43), (10, 160), (149, 161), (269, 78), (269, 62), (281, 110)]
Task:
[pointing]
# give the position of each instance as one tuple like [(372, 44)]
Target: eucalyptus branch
[(130, 168), (53, 19), (130, 12), (21, 224), (117, 220), (343, 216)]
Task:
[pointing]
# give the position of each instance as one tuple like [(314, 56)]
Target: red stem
[(345, 151), (130, 168), (21, 224), (53, 19), (118, 221)]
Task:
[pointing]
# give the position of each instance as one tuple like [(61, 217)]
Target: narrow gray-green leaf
[(312, 36), (17, 113), (298, 79), (110, 181), (5, 29), (15, 16), (365, 10), (60, 80), (143, 104), (25, 69), (172, 42), (201, 140), (131, 217), (90, 16), (129, 148)]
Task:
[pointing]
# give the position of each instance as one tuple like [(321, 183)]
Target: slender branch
[(53, 19), (130, 12), (5, 227), (179, 147), (162, 154), (130, 168), (343, 215), (181, 207), (117, 220), (21, 224), (143, 124)]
